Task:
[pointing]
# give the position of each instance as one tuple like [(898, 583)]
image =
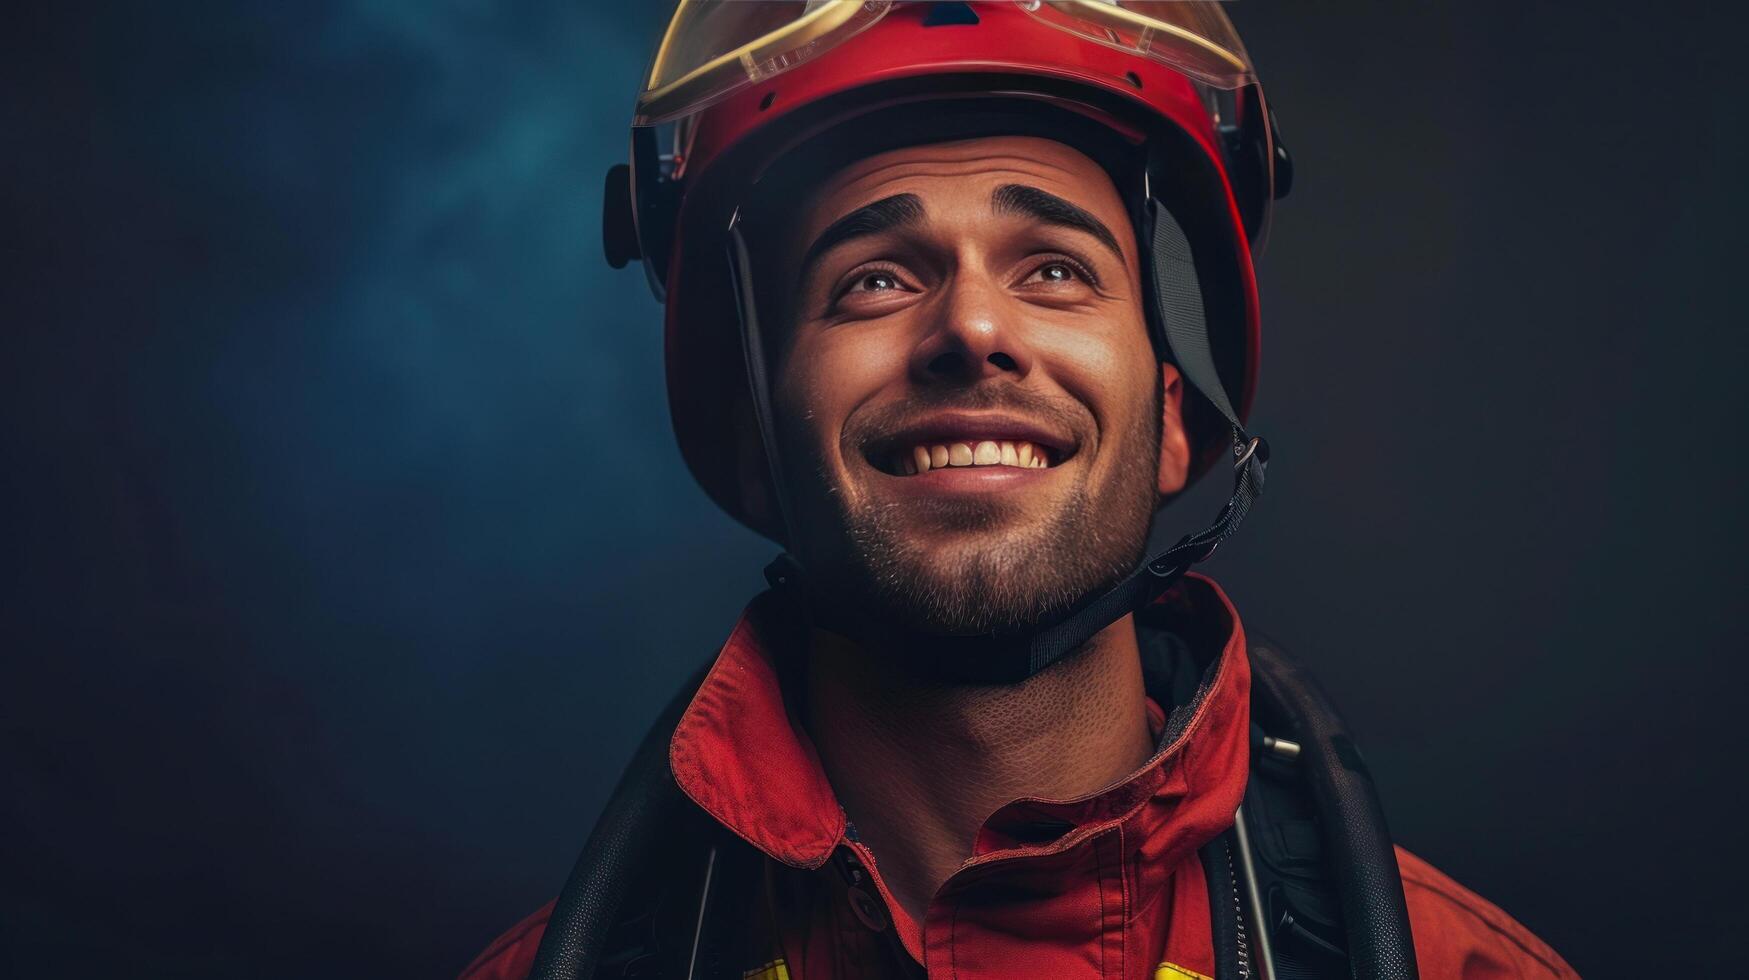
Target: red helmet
[(737, 83)]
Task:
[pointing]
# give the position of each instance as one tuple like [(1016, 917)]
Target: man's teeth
[(988, 452)]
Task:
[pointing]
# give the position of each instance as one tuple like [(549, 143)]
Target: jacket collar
[(740, 755)]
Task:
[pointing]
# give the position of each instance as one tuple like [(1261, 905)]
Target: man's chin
[(977, 566), (955, 590)]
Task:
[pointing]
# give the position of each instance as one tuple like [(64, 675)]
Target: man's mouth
[(966, 441), (983, 452)]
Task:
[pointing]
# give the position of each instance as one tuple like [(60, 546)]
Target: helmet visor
[(1194, 38), (713, 47)]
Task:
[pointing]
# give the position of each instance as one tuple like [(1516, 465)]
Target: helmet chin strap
[(1181, 330)]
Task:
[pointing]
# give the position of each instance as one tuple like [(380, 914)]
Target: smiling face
[(973, 422)]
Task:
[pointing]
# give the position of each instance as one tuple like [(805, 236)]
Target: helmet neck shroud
[(1177, 302)]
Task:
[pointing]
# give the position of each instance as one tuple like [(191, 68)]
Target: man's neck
[(920, 765)]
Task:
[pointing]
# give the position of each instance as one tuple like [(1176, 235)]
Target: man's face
[(969, 407)]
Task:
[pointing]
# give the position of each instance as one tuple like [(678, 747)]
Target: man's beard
[(999, 578)]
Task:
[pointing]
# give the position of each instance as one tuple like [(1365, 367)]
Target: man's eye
[(875, 282), (1057, 272)]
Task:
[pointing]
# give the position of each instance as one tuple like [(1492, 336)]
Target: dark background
[(343, 524)]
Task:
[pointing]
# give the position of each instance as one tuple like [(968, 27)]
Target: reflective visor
[(1194, 38), (714, 47)]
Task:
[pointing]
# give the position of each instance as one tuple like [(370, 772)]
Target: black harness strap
[(1357, 842), (630, 835)]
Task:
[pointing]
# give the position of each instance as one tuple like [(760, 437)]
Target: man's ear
[(1174, 442)]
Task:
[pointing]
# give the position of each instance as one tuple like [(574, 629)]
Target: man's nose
[(972, 336)]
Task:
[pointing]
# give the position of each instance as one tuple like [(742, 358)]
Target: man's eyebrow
[(883, 215), (1049, 208)]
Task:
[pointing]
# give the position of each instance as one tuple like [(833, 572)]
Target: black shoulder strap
[(638, 900), (1325, 867)]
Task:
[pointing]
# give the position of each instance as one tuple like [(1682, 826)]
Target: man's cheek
[(793, 403)]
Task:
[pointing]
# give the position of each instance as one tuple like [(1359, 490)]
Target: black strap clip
[(784, 574)]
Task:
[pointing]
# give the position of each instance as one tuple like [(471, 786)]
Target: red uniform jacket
[(1119, 895)]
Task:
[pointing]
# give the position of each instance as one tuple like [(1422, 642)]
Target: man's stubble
[(994, 577)]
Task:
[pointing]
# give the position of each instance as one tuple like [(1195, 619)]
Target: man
[(958, 294)]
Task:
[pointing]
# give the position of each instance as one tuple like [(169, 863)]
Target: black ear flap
[(753, 473), (758, 381), (1284, 161), (619, 228), (1177, 295)]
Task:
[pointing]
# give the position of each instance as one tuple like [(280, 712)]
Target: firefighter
[(958, 295)]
